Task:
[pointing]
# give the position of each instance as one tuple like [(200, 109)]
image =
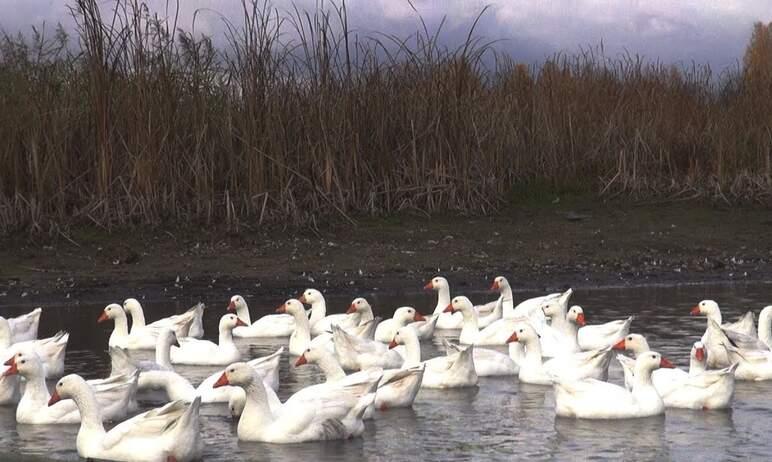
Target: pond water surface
[(499, 420)]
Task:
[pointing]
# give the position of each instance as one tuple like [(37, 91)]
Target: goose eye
[(521, 331), (653, 357), (232, 370), (630, 338), (23, 361)]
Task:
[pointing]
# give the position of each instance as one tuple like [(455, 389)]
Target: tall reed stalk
[(297, 119)]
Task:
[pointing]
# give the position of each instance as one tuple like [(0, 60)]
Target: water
[(499, 420)]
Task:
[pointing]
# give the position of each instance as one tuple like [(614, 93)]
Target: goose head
[(403, 334), (237, 374), (359, 305), (311, 296), (651, 361), (576, 315), (131, 306), (699, 352), (705, 308), (237, 302), (408, 314), (168, 338), (554, 307), (67, 387), (633, 342), (291, 306), (523, 333), (500, 284), (310, 356), (112, 311), (25, 363), (229, 322), (437, 283), (461, 304)]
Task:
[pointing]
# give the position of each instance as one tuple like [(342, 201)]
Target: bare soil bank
[(547, 246)]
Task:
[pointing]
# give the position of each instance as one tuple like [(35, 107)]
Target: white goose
[(701, 388), (752, 365), (51, 350), (205, 353), (601, 335), (716, 335), (113, 395), (638, 345), (397, 388), (487, 363), (403, 316), (320, 322), (573, 366), (560, 336), (355, 353), (167, 433), (25, 327), (328, 413), (270, 325), (595, 399), (143, 339), (266, 367), (188, 324), (300, 339), (9, 387), (765, 326), (496, 333), (452, 371), (448, 320)]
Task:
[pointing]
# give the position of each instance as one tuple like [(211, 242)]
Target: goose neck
[(330, 367), (443, 300), (242, 311), (137, 318), (765, 325), (412, 351), (256, 413)]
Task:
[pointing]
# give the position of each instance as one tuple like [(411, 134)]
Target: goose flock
[(370, 365)]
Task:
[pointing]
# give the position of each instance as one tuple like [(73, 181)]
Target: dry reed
[(147, 124)]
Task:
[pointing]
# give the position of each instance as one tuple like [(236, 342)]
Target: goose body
[(161, 434), (205, 353), (718, 334), (112, 396), (496, 333), (490, 312), (595, 399), (325, 413), (272, 325), (752, 365), (51, 350), (266, 367), (319, 321), (487, 363), (357, 354), (603, 335), (188, 324), (638, 345), (451, 371), (25, 327)]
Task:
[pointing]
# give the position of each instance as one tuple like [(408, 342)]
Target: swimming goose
[(402, 316), (181, 324), (152, 376), (448, 320), (496, 333), (327, 413), (267, 367), (752, 365), (595, 399), (51, 350), (270, 325), (319, 320), (579, 365), (638, 345), (143, 339), (716, 334), (487, 363), (112, 396), (601, 335), (167, 433), (300, 339), (451, 371), (25, 327), (397, 388), (205, 353)]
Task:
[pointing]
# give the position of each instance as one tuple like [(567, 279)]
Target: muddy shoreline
[(584, 244)]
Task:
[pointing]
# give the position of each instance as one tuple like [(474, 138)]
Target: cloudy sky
[(713, 31)]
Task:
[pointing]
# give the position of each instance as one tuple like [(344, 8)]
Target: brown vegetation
[(148, 124)]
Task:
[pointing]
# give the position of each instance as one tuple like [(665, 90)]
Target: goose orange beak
[(495, 286), (10, 361), (665, 363), (700, 354), (429, 286), (695, 310), (449, 309), (222, 381), (620, 345), (103, 317), (580, 319), (301, 360), (419, 317), (232, 306), (351, 309), (393, 344), (12, 370), (282, 308), (239, 322), (302, 299), (513, 338), (54, 398)]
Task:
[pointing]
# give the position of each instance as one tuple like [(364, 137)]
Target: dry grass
[(149, 125)]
